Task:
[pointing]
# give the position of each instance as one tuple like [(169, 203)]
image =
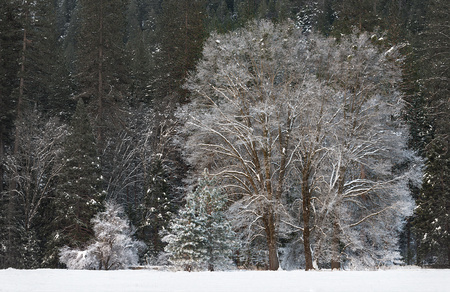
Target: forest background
[(89, 94)]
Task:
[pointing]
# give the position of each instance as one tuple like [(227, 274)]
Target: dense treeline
[(91, 99)]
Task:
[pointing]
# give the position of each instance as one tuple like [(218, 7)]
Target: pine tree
[(101, 62), (182, 28), (200, 237), (362, 14), (138, 49), (431, 221), (432, 224), (8, 71), (37, 72), (220, 16), (80, 193), (156, 209)]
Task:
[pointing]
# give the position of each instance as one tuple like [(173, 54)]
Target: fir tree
[(201, 237)]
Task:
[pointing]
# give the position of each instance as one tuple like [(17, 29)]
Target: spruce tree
[(200, 236)]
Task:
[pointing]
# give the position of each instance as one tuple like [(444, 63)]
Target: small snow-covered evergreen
[(113, 247), (201, 237)]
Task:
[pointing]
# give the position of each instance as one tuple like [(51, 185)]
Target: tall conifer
[(182, 28), (201, 237), (80, 193), (101, 65), (432, 223)]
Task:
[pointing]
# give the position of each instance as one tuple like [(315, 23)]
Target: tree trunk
[(269, 226), (448, 255), (273, 256), (408, 243), (335, 241), (100, 78), (307, 237), (21, 87), (306, 208), (335, 261)]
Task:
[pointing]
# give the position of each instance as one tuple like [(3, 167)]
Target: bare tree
[(279, 116), (142, 173), (33, 169), (251, 89), (367, 166), (37, 164)]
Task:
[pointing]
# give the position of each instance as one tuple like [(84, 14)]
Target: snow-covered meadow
[(410, 280)]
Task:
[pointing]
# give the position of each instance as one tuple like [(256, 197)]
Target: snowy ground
[(409, 280)]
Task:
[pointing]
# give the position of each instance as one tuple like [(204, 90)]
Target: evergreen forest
[(255, 134)]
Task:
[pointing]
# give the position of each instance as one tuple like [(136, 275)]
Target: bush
[(113, 247)]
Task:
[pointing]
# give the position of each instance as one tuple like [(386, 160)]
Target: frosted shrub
[(113, 247), (78, 259)]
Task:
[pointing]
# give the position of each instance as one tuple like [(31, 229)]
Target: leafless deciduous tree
[(251, 90), (273, 109), (32, 170), (367, 166), (36, 164)]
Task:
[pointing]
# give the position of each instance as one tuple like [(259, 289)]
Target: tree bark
[(335, 261), (100, 77), (408, 243), (21, 87), (306, 208), (269, 226), (335, 241)]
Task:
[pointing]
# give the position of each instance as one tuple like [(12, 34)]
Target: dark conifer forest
[(296, 133)]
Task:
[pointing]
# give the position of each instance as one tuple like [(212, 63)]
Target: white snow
[(410, 280)]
